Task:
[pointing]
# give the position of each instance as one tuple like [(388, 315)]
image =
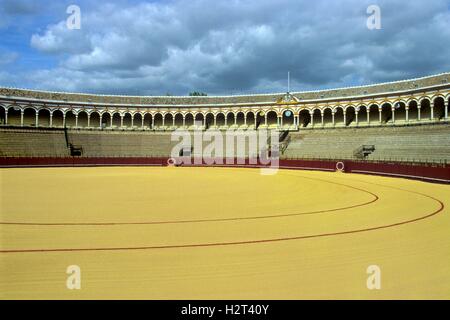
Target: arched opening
[(178, 120), (251, 120), (199, 120), (14, 116), (158, 121), (57, 118), (94, 120), (288, 118), (168, 120), (230, 119), (70, 119), (413, 111), (44, 118), (220, 120), (2, 116), (272, 119), (386, 113), (339, 117), (439, 108), (400, 112), (374, 114), (106, 120), (240, 119), (137, 120), (209, 120), (317, 118), (127, 120), (29, 117), (147, 121), (304, 118), (327, 117), (350, 116), (116, 120), (260, 119), (362, 116), (189, 120), (425, 110), (82, 119)]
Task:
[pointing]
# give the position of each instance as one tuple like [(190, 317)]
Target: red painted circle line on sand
[(374, 199), (215, 244)]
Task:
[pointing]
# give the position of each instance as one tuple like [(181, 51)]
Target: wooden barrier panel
[(433, 173)]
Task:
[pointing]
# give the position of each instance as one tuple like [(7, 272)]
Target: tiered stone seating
[(414, 143), (32, 143)]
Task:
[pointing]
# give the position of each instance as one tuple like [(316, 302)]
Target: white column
[(419, 116), (368, 116), (380, 110), (265, 119), (345, 118), (21, 117), (235, 119), (432, 110), (446, 109), (173, 120), (322, 115), (407, 114), (184, 121), (281, 121), (245, 119), (142, 120), (393, 115), (153, 121), (332, 117), (256, 122), (112, 119), (132, 120), (121, 120), (311, 114), (64, 120), (37, 119), (6, 116), (76, 120), (357, 117), (100, 121)]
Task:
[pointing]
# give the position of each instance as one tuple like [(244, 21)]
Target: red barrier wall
[(432, 173)]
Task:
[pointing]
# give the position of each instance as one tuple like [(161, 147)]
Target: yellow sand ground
[(220, 233)]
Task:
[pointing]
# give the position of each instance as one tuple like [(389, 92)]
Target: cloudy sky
[(219, 46)]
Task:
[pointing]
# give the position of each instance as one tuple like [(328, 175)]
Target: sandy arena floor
[(220, 233)]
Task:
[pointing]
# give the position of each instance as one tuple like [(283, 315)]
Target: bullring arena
[(363, 180)]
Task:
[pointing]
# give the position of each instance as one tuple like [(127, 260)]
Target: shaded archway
[(350, 116), (178, 120), (425, 110), (116, 120), (94, 120), (439, 108), (413, 111), (328, 117), (316, 118), (189, 120), (82, 119), (147, 121), (44, 118), (250, 119), (57, 118), (362, 116), (339, 117), (127, 120), (220, 120), (272, 118), (288, 118), (199, 120), (230, 119), (386, 113), (209, 120), (304, 118), (2, 116), (400, 112), (29, 117), (374, 114), (70, 119), (106, 120), (14, 116), (158, 120), (240, 118)]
